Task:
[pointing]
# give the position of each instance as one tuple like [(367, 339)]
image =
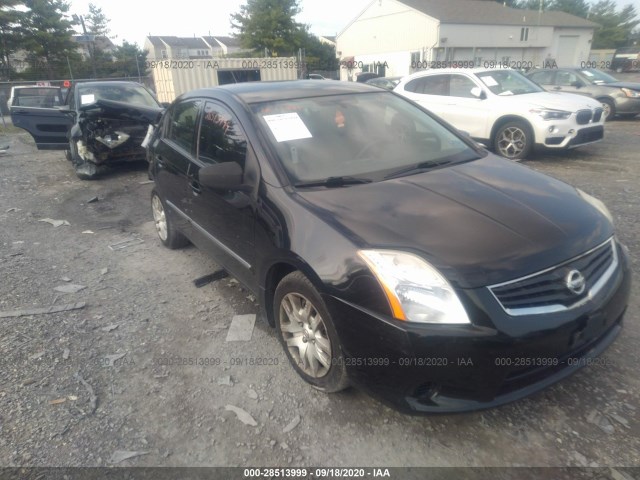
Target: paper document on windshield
[(489, 81), (287, 126), (87, 99)]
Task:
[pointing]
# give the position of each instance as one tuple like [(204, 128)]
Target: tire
[(513, 140), (84, 170), (609, 109), (304, 323), (168, 234), (627, 116)]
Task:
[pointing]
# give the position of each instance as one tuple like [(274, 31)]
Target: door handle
[(557, 88), (195, 187)]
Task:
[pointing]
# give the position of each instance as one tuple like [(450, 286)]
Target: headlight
[(416, 291), (630, 93), (548, 114), (598, 204)]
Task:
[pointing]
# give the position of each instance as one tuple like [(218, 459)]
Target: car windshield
[(508, 82), (357, 138), (596, 76), (135, 94)]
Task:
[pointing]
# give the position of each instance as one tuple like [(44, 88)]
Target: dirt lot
[(78, 387)]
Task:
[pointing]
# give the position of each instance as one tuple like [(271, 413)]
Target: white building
[(398, 37)]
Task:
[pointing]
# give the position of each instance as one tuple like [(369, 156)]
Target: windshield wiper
[(333, 182), (420, 167)]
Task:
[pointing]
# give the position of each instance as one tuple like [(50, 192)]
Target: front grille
[(548, 291), (597, 115), (588, 135), (583, 117)]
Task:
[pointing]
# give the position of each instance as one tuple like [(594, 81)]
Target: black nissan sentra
[(388, 250)]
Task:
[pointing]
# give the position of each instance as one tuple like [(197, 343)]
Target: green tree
[(268, 24), (47, 36), (130, 61), (615, 26), (96, 21), (10, 35), (579, 8), (318, 55)]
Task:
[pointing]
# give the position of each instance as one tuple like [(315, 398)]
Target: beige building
[(393, 37), (166, 47)]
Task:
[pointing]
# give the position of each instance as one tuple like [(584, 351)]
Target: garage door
[(567, 47)]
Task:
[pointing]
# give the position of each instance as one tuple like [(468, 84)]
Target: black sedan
[(101, 123), (387, 250)]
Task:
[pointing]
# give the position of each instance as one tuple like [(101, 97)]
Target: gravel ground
[(79, 388)]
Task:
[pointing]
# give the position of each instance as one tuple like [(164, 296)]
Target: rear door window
[(37, 97), (543, 78), (431, 85), (181, 125)]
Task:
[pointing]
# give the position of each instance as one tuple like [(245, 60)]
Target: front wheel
[(84, 169), (307, 333), (608, 109), (513, 140)]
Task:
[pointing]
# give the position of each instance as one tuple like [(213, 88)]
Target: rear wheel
[(307, 333), (513, 140), (168, 234)]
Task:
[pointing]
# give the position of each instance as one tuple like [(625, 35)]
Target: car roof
[(449, 71), (555, 69), (109, 83), (33, 86), (255, 92)]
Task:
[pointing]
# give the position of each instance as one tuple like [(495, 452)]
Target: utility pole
[(89, 43)]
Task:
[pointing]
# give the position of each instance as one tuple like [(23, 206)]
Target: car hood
[(560, 100), (480, 223), (629, 85), (129, 111)]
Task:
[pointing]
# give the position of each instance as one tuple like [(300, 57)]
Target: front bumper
[(627, 105), (496, 360), (561, 138)]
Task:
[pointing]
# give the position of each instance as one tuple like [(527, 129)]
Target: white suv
[(502, 108)]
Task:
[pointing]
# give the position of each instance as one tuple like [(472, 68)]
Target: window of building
[(524, 34)]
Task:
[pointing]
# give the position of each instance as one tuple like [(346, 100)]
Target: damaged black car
[(101, 123)]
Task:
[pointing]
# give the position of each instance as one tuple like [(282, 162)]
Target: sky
[(133, 20)]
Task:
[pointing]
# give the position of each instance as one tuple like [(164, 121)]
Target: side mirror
[(478, 93), (577, 84), (221, 176)]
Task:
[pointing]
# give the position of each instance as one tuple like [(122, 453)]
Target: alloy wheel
[(512, 142), (305, 335), (159, 217)]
